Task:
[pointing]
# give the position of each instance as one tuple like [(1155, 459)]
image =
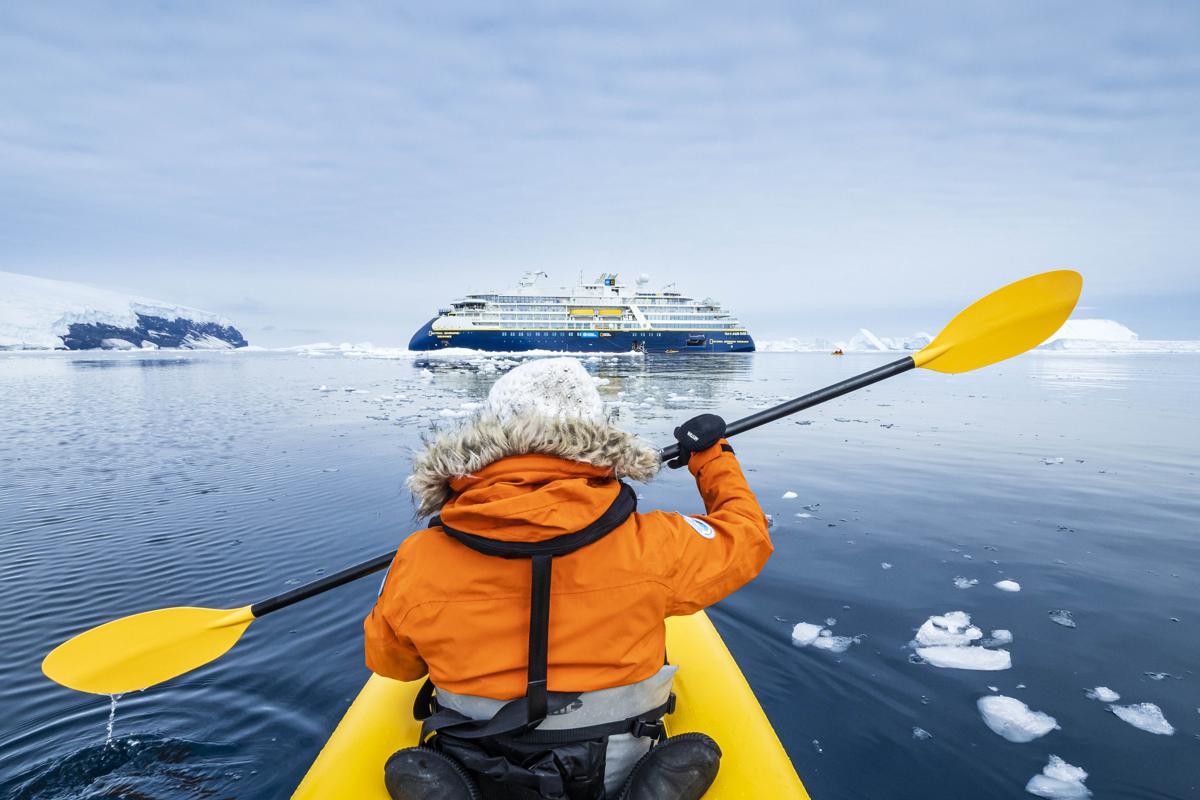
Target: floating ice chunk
[(834, 644), (993, 689), (805, 633), (1051, 461), (920, 734), (1061, 617), (954, 628), (1007, 586), (964, 583), (1012, 719), (1000, 636), (804, 515), (1103, 694), (1146, 716), (1059, 781), (945, 641), (959, 657), (790, 495), (884, 565)]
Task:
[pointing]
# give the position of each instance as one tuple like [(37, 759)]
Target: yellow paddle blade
[(1005, 323), (139, 651)]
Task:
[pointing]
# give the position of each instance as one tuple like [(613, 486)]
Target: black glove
[(698, 433)]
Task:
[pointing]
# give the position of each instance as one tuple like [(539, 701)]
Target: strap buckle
[(651, 729)]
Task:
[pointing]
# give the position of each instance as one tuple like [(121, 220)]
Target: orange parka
[(463, 617)]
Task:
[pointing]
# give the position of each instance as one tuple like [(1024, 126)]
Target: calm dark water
[(129, 482)]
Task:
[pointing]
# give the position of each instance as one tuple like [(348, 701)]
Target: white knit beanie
[(559, 388)]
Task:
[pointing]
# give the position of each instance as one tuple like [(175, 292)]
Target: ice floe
[(1059, 781), (884, 565), (920, 734), (1103, 694), (945, 641), (977, 658), (999, 636), (953, 628), (1146, 716), (1007, 586), (1062, 617), (965, 583), (834, 644), (1012, 719), (789, 495), (806, 634)]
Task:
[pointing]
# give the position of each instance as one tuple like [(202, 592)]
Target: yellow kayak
[(713, 697)]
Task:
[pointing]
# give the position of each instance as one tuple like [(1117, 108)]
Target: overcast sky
[(339, 170)]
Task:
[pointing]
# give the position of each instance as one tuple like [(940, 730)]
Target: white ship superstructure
[(601, 315)]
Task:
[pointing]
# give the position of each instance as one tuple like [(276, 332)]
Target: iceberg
[(1093, 330), (1110, 336), (44, 314)]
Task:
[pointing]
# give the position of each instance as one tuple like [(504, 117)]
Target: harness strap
[(539, 637), (508, 722), (624, 504), (519, 717)]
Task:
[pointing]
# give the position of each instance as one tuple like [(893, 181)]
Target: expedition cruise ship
[(604, 315)]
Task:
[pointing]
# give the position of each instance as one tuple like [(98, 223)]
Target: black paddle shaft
[(347, 575), (361, 570), (809, 400)]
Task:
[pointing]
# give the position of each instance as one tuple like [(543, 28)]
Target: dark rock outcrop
[(159, 331)]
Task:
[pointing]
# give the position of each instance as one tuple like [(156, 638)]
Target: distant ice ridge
[(1059, 781), (945, 641), (1012, 719), (1076, 335), (43, 314), (862, 342)]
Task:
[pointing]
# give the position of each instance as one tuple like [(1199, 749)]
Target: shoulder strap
[(622, 506)]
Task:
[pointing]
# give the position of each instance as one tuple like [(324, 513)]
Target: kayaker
[(536, 600)]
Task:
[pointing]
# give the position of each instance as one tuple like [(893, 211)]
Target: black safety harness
[(515, 722)]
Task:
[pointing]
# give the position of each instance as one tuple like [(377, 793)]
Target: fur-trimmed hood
[(487, 438)]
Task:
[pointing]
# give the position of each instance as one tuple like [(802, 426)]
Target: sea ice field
[(983, 586)]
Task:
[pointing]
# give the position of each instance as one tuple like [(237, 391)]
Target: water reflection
[(1079, 372), (129, 362)]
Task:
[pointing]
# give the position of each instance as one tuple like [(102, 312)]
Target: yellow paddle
[(144, 649)]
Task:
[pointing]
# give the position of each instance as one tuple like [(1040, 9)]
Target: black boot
[(681, 768), (418, 773)]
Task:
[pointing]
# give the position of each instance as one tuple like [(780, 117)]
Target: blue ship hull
[(700, 341)]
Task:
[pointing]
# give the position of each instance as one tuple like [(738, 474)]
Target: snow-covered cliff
[(39, 314)]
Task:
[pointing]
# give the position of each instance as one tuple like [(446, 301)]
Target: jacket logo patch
[(700, 526)]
